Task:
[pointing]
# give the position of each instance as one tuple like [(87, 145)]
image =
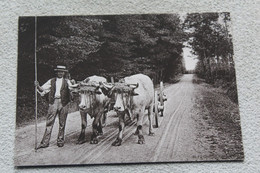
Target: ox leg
[(94, 135), (139, 127), (99, 127), (82, 137), (118, 141), (103, 119), (129, 114), (137, 131), (150, 118)]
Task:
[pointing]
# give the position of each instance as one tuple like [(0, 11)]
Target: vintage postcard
[(113, 89)]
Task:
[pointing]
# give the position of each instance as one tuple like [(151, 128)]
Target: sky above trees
[(190, 59)]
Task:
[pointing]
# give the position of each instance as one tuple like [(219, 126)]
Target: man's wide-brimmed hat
[(61, 68)]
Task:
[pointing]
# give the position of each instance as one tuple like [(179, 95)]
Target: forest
[(121, 45), (211, 41)]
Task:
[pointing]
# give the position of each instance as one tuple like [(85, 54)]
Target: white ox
[(133, 100), (94, 103)]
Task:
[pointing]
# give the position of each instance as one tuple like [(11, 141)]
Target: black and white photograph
[(126, 89)]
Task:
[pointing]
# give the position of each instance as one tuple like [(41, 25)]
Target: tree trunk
[(209, 73), (204, 68), (217, 66), (210, 70)]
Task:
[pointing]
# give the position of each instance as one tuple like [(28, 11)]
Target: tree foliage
[(211, 41), (110, 46)]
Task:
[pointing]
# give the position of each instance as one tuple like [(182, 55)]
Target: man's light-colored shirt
[(47, 86), (58, 87)]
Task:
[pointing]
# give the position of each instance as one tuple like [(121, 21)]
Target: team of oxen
[(129, 98)]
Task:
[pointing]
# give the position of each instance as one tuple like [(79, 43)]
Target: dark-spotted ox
[(94, 103), (133, 95)]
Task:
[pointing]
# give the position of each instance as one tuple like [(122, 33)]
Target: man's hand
[(36, 83)]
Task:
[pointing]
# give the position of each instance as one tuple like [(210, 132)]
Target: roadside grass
[(227, 87), (221, 120)]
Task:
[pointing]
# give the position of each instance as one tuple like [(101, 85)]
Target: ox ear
[(133, 93)]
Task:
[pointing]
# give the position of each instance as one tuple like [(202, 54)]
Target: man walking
[(59, 97)]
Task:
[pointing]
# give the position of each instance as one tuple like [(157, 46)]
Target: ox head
[(87, 94), (121, 93)]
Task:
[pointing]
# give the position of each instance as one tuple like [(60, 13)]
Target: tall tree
[(210, 42), (111, 45)]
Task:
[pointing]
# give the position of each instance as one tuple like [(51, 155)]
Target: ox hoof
[(117, 142), (81, 139), (141, 139), (94, 141), (42, 146), (151, 133)]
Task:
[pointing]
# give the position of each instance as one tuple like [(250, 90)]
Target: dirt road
[(176, 139)]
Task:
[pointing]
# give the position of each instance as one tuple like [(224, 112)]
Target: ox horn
[(134, 86), (86, 80), (107, 85)]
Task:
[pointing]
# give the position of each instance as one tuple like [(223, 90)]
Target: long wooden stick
[(35, 67)]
